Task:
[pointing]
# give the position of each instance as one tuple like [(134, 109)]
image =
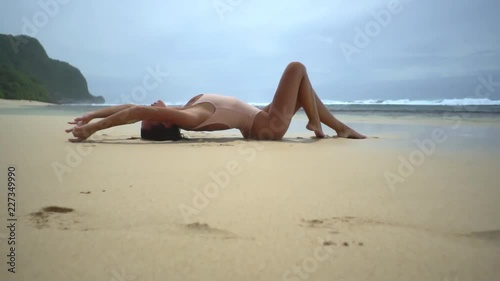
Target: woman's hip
[(267, 128)]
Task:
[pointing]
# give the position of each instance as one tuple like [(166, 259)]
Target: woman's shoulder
[(208, 96), (193, 100)]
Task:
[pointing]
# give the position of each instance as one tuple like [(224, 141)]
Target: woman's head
[(158, 132)]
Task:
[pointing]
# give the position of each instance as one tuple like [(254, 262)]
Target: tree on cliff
[(27, 72)]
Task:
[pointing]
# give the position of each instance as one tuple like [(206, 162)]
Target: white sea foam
[(443, 102)]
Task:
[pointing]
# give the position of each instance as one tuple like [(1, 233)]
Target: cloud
[(243, 52)]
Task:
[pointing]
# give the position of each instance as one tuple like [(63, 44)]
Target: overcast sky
[(354, 50)]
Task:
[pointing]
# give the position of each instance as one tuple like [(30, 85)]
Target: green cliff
[(27, 72)]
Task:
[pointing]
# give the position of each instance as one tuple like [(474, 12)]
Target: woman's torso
[(227, 113)]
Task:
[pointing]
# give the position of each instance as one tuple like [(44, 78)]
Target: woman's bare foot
[(349, 133), (318, 131)]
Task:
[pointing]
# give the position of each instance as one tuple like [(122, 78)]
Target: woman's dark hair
[(161, 133)]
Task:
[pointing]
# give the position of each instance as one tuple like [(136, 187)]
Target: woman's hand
[(80, 133), (83, 120)]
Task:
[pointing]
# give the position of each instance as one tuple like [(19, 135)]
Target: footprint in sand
[(56, 217), (336, 225), (491, 236), (203, 229)]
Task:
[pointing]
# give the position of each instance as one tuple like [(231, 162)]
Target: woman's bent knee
[(296, 66)]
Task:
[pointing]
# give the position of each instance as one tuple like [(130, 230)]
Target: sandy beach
[(412, 202), (4, 103)]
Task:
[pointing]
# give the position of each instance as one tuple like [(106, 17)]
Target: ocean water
[(392, 108)]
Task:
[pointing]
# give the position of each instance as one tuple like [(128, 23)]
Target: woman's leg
[(325, 115), (294, 90), (327, 118)]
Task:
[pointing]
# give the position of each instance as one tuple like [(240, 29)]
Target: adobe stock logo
[(427, 147), (75, 154), (41, 18), (372, 29), (222, 7)]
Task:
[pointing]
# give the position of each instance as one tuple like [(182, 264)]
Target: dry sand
[(220, 208)]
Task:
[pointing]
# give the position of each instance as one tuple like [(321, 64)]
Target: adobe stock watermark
[(305, 268), (221, 179), (427, 147), (372, 29), (223, 7), (41, 18), (121, 276), (75, 155)]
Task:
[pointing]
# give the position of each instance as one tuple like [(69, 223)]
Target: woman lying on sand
[(210, 112)]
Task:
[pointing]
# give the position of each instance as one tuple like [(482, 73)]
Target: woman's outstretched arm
[(182, 118), (105, 112), (101, 113)]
